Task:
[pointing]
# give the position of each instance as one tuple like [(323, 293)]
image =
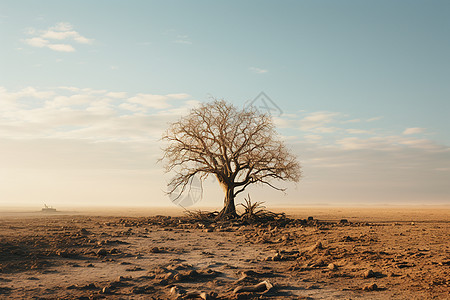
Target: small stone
[(343, 221), (370, 287), (310, 218), (163, 282), (412, 223), (208, 230), (276, 257), (106, 290), (177, 291), (368, 274), (332, 266), (102, 252), (155, 250), (318, 245), (178, 277)]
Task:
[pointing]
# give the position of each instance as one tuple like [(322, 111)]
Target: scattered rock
[(332, 267), (155, 250), (368, 274), (90, 286), (277, 257), (444, 263), (176, 291), (313, 287), (143, 290), (316, 246), (347, 239), (343, 221), (134, 269), (370, 287), (102, 252), (262, 287)]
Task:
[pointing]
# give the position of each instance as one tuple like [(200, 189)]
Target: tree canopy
[(239, 147)]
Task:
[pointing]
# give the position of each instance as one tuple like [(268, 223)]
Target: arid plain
[(313, 253)]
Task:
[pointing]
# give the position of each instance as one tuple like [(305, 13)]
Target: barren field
[(338, 253)]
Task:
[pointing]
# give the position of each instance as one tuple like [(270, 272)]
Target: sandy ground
[(379, 253)]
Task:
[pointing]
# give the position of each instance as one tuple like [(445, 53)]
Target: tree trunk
[(229, 209)]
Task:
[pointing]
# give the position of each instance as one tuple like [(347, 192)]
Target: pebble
[(368, 274), (371, 287), (318, 245), (102, 252), (155, 250), (332, 266)]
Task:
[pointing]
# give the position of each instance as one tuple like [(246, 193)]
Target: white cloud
[(132, 107), (258, 70), (98, 115), (183, 39), (69, 88), (62, 26), (420, 144), (117, 95), (358, 131), (37, 42), (413, 130), (59, 32), (317, 120), (178, 96), (352, 121), (70, 128), (150, 100), (377, 143), (314, 137), (61, 47), (374, 119)]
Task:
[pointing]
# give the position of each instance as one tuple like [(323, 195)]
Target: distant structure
[(48, 208)]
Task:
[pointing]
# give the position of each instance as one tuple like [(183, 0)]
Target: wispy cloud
[(60, 37), (97, 115), (331, 130), (413, 130), (374, 119), (183, 39), (84, 129), (258, 70), (151, 101)]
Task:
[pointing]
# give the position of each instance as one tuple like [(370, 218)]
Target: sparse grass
[(256, 212), (252, 211)]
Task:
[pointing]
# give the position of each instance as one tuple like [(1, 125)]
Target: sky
[(88, 87)]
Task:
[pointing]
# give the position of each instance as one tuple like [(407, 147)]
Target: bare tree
[(238, 147)]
